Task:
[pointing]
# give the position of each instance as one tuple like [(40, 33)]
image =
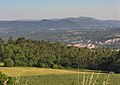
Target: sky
[(43, 9)]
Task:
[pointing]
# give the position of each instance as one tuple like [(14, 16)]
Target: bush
[(54, 66), (8, 63), (20, 63), (42, 65), (0, 59), (4, 78)]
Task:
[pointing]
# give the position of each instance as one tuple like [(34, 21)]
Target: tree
[(26, 52), (11, 41), (1, 49), (21, 41), (8, 63)]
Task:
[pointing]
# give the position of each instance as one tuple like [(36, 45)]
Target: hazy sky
[(37, 9)]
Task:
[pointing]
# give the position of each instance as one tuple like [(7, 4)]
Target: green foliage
[(2, 75), (55, 66), (27, 52), (42, 65), (8, 63), (5, 80), (11, 41), (21, 41)]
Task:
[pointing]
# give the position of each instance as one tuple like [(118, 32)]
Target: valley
[(81, 30)]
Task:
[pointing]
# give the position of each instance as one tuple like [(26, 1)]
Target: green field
[(46, 76), (30, 71), (68, 79)]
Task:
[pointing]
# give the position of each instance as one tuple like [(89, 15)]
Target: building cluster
[(81, 45), (113, 41)]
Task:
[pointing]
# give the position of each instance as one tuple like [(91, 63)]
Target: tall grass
[(67, 79), (71, 79), (91, 80)]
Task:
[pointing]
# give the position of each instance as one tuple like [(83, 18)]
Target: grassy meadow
[(70, 79), (30, 71), (47, 76)]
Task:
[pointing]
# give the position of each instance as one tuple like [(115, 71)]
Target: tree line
[(45, 54)]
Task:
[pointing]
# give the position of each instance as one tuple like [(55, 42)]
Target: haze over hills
[(80, 23), (65, 30)]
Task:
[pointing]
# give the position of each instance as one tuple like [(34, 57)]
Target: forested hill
[(27, 52)]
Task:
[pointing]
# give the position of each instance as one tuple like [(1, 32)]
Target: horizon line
[(39, 19)]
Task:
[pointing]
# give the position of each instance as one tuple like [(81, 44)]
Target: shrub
[(3, 78), (8, 63), (20, 63), (54, 66), (42, 65)]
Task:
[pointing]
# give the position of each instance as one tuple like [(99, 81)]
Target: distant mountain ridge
[(71, 23)]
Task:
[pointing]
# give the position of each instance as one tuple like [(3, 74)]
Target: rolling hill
[(73, 23)]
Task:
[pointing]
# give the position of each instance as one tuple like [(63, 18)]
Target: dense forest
[(27, 52)]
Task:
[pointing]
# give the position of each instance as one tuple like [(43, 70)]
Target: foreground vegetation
[(26, 52), (70, 79), (47, 76)]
